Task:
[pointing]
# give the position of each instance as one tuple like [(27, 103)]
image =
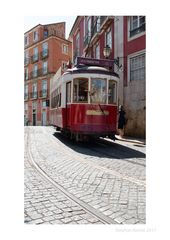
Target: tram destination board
[(95, 62)]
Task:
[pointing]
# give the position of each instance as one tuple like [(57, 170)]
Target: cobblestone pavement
[(106, 180)]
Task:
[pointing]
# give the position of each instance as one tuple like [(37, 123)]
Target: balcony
[(43, 93)]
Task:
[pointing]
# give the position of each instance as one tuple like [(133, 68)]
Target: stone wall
[(135, 107)]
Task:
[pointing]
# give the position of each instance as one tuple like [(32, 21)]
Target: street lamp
[(106, 51)]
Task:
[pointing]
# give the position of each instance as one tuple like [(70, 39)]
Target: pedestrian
[(121, 121)]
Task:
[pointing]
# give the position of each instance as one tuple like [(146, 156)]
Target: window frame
[(78, 95), (45, 68), (129, 29), (95, 48), (26, 40), (137, 54), (108, 31), (92, 94), (35, 36), (65, 48)]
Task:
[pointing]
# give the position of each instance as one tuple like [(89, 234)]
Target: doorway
[(44, 118)]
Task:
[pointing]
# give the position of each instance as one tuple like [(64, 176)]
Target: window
[(109, 38), (44, 49), (98, 24), (112, 92), (26, 73), (68, 92), (35, 36), (45, 67), (89, 27), (34, 90), (98, 90), (35, 56), (44, 88), (45, 33), (44, 104), (26, 40), (34, 105), (97, 51), (35, 70), (26, 92), (137, 25), (65, 49), (26, 57), (80, 90), (137, 67), (56, 98), (25, 106), (64, 66), (78, 44)]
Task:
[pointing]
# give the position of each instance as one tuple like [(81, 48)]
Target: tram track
[(71, 154), (87, 208)]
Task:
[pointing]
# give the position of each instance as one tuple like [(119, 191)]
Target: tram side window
[(68, 91), (56, 99), (80, 90), (98, 92), (112, 92)]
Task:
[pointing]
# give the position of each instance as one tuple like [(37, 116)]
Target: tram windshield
[(98, 90), (80, 90)]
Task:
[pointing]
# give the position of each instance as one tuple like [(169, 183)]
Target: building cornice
[(46, 39)]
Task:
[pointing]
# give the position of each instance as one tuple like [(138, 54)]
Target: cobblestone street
[(84, 183)]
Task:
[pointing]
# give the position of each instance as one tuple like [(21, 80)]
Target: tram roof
[(90, 69)]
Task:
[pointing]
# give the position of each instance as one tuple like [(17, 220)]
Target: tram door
[(68, 102)]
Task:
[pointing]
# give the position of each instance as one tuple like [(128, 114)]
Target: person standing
[(121, 121)]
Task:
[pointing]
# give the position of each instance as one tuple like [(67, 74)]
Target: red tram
[(84, 102)]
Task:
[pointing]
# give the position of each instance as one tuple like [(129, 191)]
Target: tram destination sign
[(95, 62)]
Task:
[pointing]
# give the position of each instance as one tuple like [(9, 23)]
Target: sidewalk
[(131, 139)]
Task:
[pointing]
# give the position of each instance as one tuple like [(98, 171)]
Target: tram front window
[(98, 90), (80, 90)]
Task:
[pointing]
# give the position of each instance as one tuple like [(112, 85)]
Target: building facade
[(45, 51), (125, 36)]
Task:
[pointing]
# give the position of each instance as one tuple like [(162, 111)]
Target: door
[(34, 119), (44, 118)]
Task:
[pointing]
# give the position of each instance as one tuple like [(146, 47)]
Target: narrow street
[(102, 182)]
